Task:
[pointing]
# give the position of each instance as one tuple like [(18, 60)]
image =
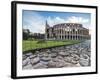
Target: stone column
[(82, 34), (77, 34), (69, 34), (72, 33), (61, 33), (45, 33), (57, 33), (45, 36), (64, 33)]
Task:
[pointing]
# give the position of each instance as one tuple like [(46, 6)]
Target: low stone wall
[(76, 55)]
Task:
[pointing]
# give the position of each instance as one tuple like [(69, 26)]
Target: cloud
[(55, 20), (71, 19), (34, 22), (74, 19)]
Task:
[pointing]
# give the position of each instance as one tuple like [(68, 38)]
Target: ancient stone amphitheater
[(69, 31)]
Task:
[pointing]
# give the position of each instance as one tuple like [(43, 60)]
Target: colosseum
[(66, 31)]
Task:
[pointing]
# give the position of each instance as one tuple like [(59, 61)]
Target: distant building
[(38, 36), (66, 31), (27, 35)]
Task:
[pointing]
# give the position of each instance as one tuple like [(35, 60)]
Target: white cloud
[(35, 23), (71, 19), (56, 20), (74, 19)]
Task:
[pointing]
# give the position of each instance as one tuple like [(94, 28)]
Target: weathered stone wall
[(70, 31)]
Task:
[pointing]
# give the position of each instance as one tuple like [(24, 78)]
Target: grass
[(33, 44)]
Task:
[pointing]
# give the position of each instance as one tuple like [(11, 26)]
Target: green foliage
[(26, 33)]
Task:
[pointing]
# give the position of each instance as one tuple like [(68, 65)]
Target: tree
[(26, 34)]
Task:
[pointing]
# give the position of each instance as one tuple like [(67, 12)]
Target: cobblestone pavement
[(76, 55)]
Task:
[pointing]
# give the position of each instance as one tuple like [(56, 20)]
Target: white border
[(34, 72)]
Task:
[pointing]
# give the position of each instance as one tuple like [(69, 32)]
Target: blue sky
[(35, 20)]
